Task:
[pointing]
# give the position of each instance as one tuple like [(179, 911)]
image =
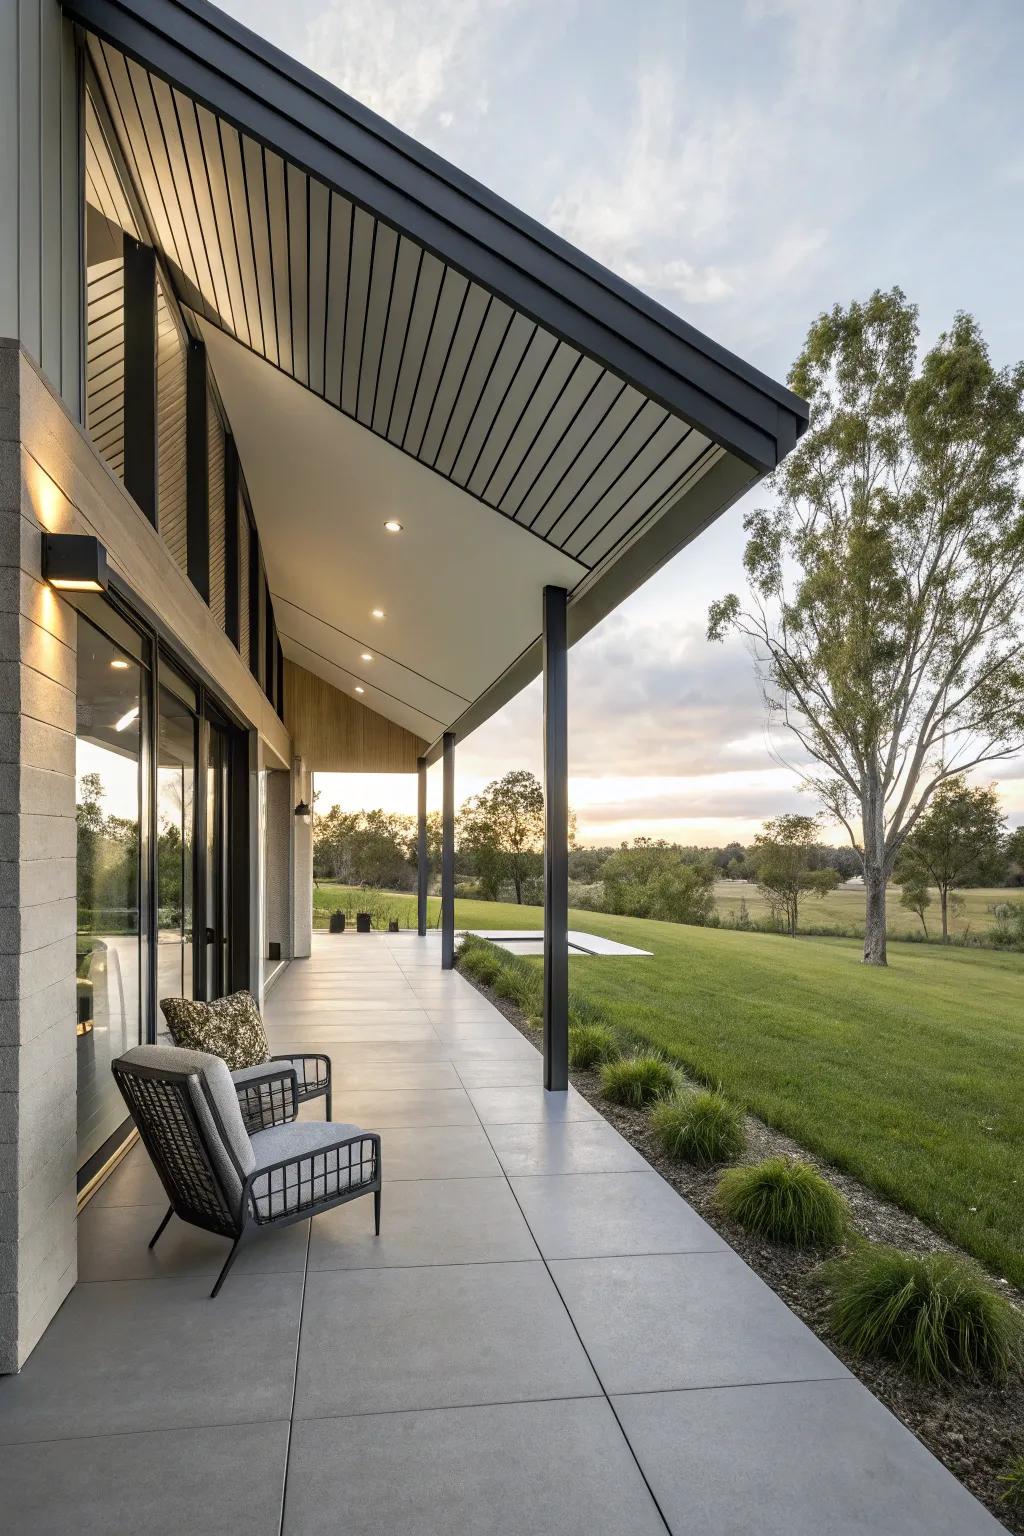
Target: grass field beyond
[(911, 1078), (840, 909), (844, 908)]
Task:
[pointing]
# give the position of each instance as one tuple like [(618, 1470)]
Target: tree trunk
[(874, 916), (944, 909), (875, 873), (794, 917)]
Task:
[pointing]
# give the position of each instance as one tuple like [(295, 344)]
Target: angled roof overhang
[(391, 340)]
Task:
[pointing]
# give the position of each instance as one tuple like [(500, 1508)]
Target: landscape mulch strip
[(975, 1430)]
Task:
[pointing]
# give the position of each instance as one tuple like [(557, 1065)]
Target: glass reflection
[(175, 817), (108, 967)]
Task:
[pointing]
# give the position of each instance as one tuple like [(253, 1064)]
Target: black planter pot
[(337, 921), (363, 922), (393, 925)]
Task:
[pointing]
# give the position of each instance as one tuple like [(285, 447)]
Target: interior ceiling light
[(366, 656), (126, 720), (376, 613), (359, 689), (393, 526), (119, 664)]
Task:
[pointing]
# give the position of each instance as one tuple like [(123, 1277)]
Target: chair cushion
[(321, 1175), (209, 1070), (230, 1028)]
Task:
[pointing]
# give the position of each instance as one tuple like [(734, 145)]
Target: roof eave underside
[(290, 110)]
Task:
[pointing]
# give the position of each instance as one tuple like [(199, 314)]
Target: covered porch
[(545, 1338)]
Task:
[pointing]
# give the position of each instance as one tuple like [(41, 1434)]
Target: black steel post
[(448, 851), (556, 842), (422, 863)]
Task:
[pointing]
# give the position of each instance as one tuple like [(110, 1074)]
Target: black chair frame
[(164, 1116), (315, 1086)]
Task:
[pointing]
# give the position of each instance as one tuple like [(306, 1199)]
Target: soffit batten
[(208, 54)]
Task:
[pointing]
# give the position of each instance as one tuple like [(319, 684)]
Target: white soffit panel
[(460, 586)]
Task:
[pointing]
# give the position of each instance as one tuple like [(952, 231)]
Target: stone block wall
[(37, 914)]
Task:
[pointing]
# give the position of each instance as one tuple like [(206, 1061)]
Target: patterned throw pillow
[(230, 1028)]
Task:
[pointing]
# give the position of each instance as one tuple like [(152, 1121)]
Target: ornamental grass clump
[(637, 1080), (479, 959), (700, 1128), (519, 983), (785, 1201), (590, 1045), (935, 1314), (1012, 1481)]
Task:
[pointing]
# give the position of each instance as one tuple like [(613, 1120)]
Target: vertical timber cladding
[(333, 733)]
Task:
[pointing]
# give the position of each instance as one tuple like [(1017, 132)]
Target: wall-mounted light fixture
[(74, 562), (302, 811)]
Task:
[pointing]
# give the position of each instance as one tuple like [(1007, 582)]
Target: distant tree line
[(962, 841)]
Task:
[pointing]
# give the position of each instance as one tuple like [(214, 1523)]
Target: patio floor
[(544, 1339)]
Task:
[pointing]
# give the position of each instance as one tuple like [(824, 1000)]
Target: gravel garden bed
[(975, 1429)]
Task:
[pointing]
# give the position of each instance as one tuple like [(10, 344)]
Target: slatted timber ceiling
[(392, 336)]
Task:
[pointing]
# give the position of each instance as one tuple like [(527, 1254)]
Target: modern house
[(314, 453)]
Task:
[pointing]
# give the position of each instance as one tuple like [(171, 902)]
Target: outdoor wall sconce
[(302, 810), (74, 562)]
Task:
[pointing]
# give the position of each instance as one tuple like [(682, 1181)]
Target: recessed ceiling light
[(393, 526), (360, 690), (366, 656), (376, 613), (119, 664)]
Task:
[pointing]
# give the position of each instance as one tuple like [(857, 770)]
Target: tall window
[(171, 454), (107, 217), (216, 449), (109, 967)]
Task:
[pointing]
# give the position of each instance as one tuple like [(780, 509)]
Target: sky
[(748, 163)]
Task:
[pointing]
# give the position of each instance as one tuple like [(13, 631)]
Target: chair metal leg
[(328, 1112), (376, 1211), (228, 1263), (160, 1228)]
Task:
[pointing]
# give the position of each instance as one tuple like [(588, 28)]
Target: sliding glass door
[(113, 686), (218, 889), (177, 745), (162, 859)]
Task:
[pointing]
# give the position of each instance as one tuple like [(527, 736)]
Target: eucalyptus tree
[(886, 583)]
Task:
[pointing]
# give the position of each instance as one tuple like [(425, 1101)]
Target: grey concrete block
[(39, 880), (46, 837), (55, 962), (44, 699), (40, 605), (22, 1019), (43, 745), (44, 924), (36, 646), (44, 792)]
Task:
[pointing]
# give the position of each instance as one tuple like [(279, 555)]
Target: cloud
[(720, 185), (420, 66), (644, 700)]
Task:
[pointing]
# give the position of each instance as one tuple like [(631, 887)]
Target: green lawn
[(912, 1078)]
